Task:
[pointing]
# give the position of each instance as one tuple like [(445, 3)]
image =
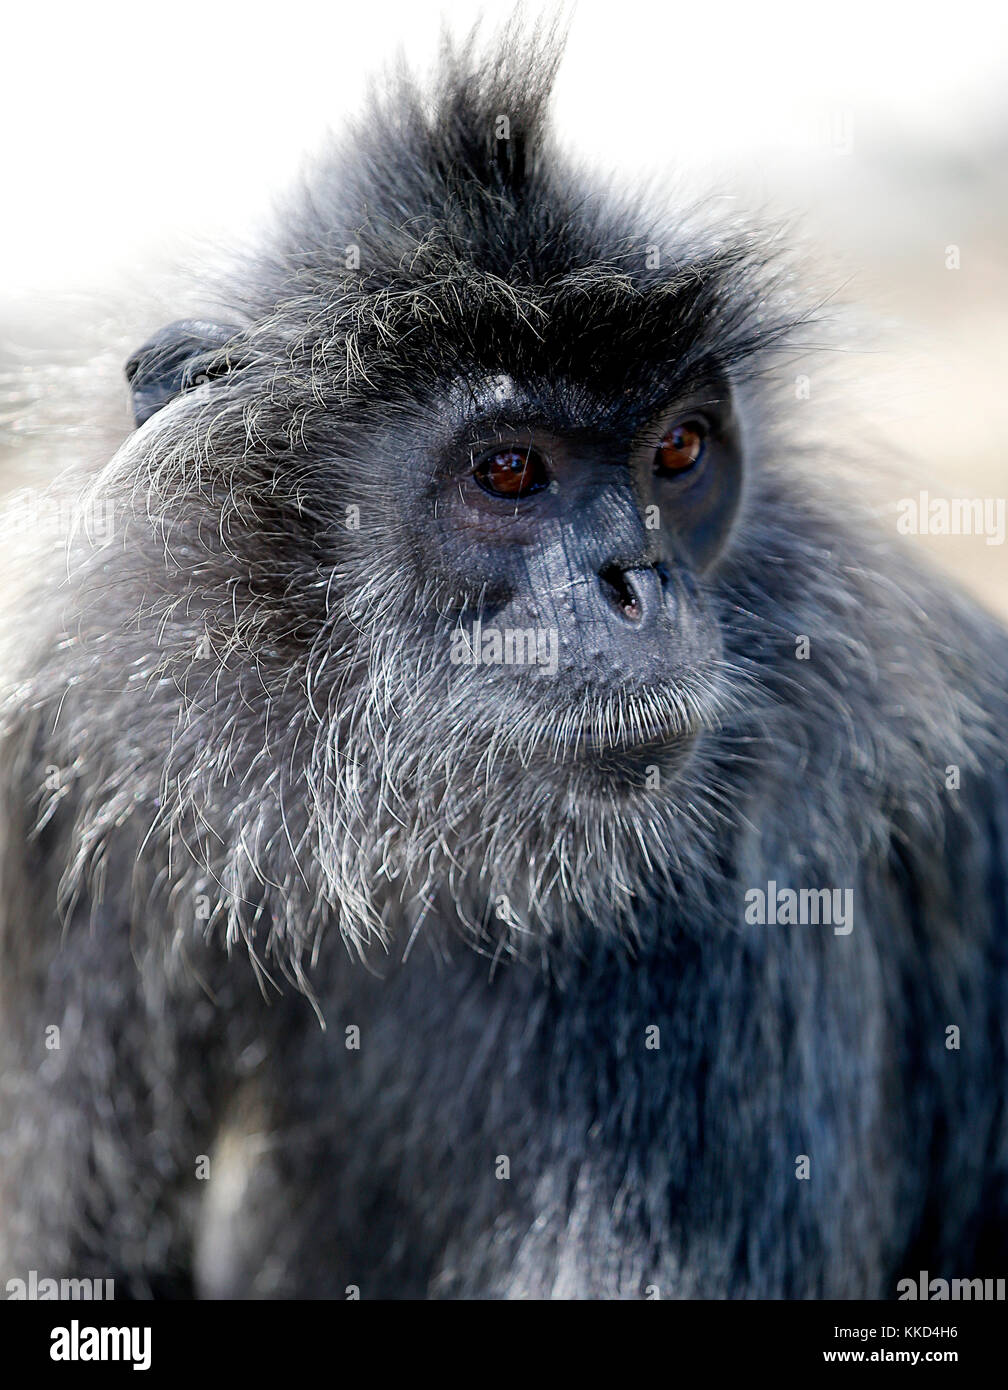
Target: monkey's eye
[(512, 473), (682, 448)]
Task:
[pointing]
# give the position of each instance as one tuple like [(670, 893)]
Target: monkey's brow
[(488, 395), (486, 404)]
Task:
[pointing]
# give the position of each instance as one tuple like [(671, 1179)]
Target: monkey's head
[(436, 519)]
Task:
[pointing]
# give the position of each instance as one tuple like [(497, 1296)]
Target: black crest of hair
[(444, 970)]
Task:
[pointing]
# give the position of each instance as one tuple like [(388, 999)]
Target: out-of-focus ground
[(883, 130)]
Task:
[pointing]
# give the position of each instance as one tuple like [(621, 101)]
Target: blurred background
[(133, 133)]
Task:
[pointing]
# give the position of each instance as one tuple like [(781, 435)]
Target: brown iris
[(682, 447), (512, 473)]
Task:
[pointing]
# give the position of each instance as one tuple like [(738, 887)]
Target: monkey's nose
[(632, 594)]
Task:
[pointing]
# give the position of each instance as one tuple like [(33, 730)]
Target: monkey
[(495, 815)]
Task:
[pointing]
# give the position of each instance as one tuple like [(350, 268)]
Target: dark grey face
[(594, 537)]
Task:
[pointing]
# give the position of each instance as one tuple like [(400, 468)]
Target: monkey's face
[(554, 555), (570, 541)]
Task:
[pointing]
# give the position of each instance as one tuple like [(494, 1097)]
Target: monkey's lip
[(635, 719), (663, 732)]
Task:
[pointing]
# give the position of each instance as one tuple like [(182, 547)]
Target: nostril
[(616, 586)]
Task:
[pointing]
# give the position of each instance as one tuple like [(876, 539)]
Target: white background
[(127, 123)]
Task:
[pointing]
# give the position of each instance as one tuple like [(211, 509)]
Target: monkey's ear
[(178, 357)]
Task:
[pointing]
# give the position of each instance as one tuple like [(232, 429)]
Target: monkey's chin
[(625, 770)]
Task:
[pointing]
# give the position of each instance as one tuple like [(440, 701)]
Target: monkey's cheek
[(705, 522)]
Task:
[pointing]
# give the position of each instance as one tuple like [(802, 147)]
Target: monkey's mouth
[(661, 723), (627, 753)]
